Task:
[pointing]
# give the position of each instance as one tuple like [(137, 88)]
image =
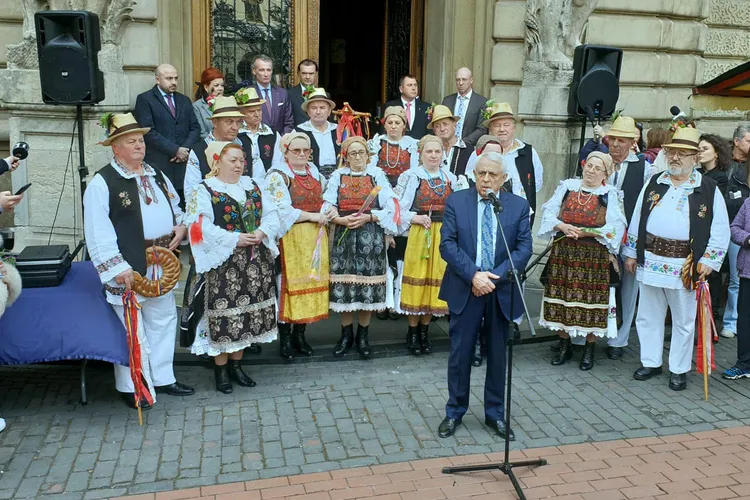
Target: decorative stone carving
[(113, 14), (729, 13), (554, 29), (712, 69), (728, 42)]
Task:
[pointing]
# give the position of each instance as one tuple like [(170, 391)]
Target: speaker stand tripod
[(506, 466), (83, 171)]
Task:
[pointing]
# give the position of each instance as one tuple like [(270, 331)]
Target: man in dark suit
[(307, 73), (174, 127), (477, 286), (416, 110), (469, 106), (277, 110)]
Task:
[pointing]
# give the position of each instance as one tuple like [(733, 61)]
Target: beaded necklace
[(309, 183), (388, 155), (439, 189)]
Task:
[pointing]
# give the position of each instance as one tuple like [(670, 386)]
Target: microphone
[(675, 110), (495, 201)]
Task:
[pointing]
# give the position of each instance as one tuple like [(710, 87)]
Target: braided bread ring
[(170, 266)]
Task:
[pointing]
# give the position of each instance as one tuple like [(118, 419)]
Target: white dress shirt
[(480, 216), (324, 140), (457, 111)]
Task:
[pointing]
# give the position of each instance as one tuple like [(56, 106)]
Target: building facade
[(519, 50)]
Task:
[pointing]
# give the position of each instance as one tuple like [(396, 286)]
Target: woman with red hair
[(210, 87)]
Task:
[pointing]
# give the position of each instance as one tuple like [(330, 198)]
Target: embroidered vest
[(459, 160), (234, 216), (125, 214), (701, 209), (267, 144), (306, 192), (247, 148), (592, 212), (316, 152), (632, 185), (353, 191), (525, 167), (426, 200), (393, 160)]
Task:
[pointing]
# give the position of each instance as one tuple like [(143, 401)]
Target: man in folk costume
[(455, 152), (227, 120), (265, 142), (678, 235), (322, 133), (130, 206), (519, 156)]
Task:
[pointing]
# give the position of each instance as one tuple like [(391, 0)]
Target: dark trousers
[(743, 325), (463, 331)]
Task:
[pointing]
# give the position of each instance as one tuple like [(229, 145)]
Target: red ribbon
[(705, 327), (131, 305)]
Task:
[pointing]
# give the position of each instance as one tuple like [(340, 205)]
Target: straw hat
[(117, 125), (685, 138), (440, 112), (623, 126), (318, 94), (213, 153), (248, 97), (226, 107), (497, 111)]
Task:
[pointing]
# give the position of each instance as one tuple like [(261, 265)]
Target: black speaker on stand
[(596, 85), (68, 44)]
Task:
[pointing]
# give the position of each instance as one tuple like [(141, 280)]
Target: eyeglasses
[(595, 168), (356, 154), (681, 154), (300, 152)]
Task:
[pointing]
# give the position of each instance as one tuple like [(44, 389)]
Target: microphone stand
[(506, 466)]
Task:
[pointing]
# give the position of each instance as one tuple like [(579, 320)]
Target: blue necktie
[(488, 248), (460, 113)]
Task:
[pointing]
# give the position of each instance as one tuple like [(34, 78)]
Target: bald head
[(464, 81), (166, 78)]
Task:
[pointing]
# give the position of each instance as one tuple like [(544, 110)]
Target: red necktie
[(170, 103)]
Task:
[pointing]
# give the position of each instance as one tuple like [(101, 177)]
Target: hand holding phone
[(23, 189)]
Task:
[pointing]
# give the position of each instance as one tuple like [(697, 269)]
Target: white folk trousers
[(157, 331), (652, 312)]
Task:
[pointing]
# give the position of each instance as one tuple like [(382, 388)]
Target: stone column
[(52, 166)]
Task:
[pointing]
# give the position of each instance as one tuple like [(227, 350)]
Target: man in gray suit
[(468, 105)]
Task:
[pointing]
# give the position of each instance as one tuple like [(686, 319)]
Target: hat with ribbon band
[(226, 107), (440, 112), (497, 111), (117, 125), (685, 138), (319, 94), (247, 97)]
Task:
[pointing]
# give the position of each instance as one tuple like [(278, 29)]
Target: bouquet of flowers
[(316, 264), (430, 110), (428, 237), (210, 100), (487, 111), (309, 89), (367, 204), (105, 122)]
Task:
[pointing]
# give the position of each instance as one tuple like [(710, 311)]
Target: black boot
[(477, 358), (412, 342), (587, 360), (298, 340), (363, 341), (382, 315), (565, 353), (285, 341), (345, 342), (424, 340), (221, 374), (236, 374)]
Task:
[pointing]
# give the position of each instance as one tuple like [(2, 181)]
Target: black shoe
[(587, 359), (477, 359), (221, 374), (615, 352), (363, 341), (424, 340), (412, 342), (677, 381), (394, 315), (254, 349), (516, 332), (298, 340), (499, 427), (382, 315), (176, 389), (285, 341), (644, 373), (448, 427), (564, 353), (129, 399), (236, 374), (345, 342)]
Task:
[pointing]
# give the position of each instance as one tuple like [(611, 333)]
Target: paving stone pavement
[(318, 417)]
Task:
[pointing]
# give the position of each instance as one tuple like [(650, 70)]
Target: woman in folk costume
[(296, 186), (587, 222), (422, 194), (394, 153), (233, 225), (367, 210)]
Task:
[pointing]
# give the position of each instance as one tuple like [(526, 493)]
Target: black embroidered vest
[(459, 160), (525, 167), (267, 145), (231, 215), (247, 148), (632, 185), (125, 214), (316, 151), (701, 207)]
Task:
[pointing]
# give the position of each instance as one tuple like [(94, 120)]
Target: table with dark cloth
[(72, 321)]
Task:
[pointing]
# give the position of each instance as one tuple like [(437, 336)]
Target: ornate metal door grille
[(242, 29), (398, 44)]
